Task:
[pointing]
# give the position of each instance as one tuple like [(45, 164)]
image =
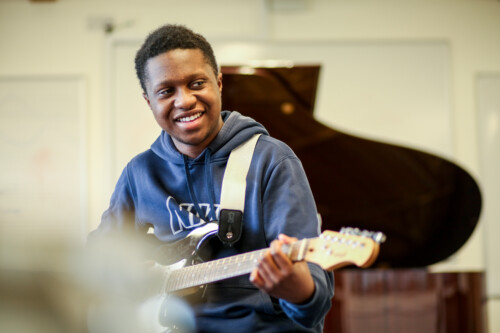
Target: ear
[(219, 82), (145, 96)]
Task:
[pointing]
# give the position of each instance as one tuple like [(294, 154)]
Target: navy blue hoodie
[(163, 190)]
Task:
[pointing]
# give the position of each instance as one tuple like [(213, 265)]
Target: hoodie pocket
[(228, 299)]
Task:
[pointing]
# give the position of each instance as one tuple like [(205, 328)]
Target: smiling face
[(184, 94)]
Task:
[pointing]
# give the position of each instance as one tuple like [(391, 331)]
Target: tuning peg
[(377, 236)]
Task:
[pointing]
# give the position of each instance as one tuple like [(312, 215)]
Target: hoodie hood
[(236, 130)]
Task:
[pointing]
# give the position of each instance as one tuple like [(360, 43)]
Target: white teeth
[(193, 117)]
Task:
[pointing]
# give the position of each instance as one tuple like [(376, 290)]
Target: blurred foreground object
[(50, 287), (38, 291)]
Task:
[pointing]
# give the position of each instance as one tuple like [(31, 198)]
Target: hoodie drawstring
[(210, 187), (210, 181)]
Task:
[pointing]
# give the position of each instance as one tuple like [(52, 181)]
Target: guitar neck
[(213, 271), (225, 268), (330, 251)]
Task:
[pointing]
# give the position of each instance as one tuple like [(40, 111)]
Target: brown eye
[(165, 92), (198, 84)]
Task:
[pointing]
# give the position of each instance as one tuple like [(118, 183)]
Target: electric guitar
[(331, 250)]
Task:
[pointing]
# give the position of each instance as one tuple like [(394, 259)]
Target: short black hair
[(170, 37)]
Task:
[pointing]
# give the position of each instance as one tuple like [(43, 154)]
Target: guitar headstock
[(333, 250)]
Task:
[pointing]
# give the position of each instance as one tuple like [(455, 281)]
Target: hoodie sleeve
[(119, 221), (289, 208), (313, 312), (120, 214)]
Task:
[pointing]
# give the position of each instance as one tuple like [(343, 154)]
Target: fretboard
[(219, 269)]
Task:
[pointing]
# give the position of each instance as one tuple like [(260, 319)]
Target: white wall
[(66, 38)]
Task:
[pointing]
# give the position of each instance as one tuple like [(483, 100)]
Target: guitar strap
[(234, 184)]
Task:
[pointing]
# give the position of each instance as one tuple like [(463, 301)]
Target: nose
[(185, 99)]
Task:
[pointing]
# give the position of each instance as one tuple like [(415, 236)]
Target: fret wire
[(199, 272), (185, 277), (209, 267), (180, 276), (194, 274), (191, 276), (173, 280)]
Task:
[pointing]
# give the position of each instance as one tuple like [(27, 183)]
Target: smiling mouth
[(190, 118)]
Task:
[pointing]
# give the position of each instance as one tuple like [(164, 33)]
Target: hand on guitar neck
[(277, 275)]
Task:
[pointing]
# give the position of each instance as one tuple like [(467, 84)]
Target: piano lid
[(426, 205)]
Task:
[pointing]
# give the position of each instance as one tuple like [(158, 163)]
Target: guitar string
[(203, 273)]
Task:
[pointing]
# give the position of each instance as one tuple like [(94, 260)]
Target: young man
[(175, 187)]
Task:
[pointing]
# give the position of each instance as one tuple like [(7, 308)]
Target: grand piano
[(426, 206)]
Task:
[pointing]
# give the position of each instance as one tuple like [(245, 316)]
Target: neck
[(195, 149)]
